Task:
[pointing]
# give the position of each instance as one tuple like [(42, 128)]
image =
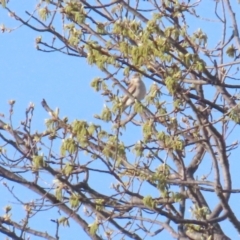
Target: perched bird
[(136, 88)]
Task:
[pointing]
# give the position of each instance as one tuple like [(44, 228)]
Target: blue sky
[(28, 75)]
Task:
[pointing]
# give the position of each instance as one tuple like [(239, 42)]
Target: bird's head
[(136, 77)]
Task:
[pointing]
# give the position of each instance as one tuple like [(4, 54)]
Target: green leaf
[(106, 114), (3, 2), (38, 162), (44, 13), (74, 200), (8, 208), (149, 202), (67, 170), (58, 193), (147, 130), (96, 84), (69, 145), (99, 204), (234, 115), (231, 51), (101, 28), (138, 149), (93, 227), (178, 197), (138, 107), (171, 84), (63, 221), (91, 129)]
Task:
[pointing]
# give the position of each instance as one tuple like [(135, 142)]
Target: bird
[(136, 88)]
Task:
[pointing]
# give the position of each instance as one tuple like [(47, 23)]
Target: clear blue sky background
[(27, 75)]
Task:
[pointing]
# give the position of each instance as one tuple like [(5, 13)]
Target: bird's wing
[(131, 89)]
